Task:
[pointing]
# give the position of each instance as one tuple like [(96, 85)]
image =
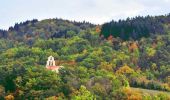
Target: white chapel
[(51, 64)]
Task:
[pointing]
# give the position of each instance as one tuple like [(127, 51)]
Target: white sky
[(94, 11)]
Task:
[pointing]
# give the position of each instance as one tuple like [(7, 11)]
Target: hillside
[(100, 61)]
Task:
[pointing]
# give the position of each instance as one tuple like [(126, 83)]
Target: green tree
[(83, 94)]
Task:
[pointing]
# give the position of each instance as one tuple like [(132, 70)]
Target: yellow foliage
[(125, 70), (106, 66), (150, 52), (85, 51), (52, 98), (168, 80), (2, 90), (166, 86)]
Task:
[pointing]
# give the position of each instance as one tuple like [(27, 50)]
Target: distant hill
[(48, 28), (131, 28)]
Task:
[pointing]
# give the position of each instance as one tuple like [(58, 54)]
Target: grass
[(152, 92)]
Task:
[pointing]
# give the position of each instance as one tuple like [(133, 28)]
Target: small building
[(51, 64)]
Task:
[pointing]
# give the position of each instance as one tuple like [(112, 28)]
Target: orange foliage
[(98, 30), (143, 80), (133, 46), (60, 62), (27, 37), (110, 38), (9, 97), (154, 45), (132, 94)]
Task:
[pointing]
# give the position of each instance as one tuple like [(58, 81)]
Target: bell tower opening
[(50, 61)]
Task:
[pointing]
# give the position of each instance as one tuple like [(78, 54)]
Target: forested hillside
[(136, 28), (101, 62)]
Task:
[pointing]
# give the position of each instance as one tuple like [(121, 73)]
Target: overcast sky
[(94, 11)]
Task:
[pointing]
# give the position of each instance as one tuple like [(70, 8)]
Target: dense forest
[(101, 62), (135, 28)]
